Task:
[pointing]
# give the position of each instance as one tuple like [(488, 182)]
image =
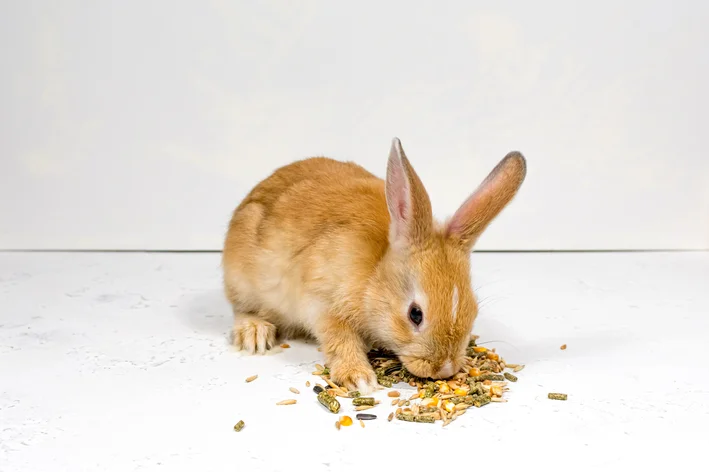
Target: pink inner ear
[(473, 210), (466, 212), (402, 209), (398, 193)]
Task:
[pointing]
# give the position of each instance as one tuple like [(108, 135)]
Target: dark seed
[(317, 389), (366, 416)]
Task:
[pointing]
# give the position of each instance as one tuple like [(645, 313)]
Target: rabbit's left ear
[(488, 200), (407, 200)]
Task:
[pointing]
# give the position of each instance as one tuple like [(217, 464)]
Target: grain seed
[(287, 402), (307, 383), (391, 416), (363, 407), (393, 393), (518, 368), (251, 379), (332, 384), (563, 347), (361, 423), (294, 390), (285, 346)]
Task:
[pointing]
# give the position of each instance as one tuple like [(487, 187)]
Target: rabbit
[(327, 250)]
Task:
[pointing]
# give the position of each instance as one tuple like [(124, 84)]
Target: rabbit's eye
[(415, 314)]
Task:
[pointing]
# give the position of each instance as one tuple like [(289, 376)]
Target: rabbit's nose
[(446, 370)]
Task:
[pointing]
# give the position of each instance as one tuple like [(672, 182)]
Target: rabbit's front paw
[(253, 335)]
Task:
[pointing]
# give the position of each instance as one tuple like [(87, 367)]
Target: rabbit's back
[(304, 238)]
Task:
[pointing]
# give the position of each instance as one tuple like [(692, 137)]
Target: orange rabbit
[(325, 249)]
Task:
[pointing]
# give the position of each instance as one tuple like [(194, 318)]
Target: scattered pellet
[(557, 396), (363, 401), (285, 346), (480, 380), (329, 402), (239, 426), (416, 419)]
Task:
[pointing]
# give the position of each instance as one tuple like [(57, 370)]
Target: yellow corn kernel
[(345, 421)]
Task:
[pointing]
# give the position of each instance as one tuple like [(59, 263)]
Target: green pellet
[(329, 402), (415, 418), (239, 426), (353, 394), (385, 381), (510, 377), (557, 396), (369, 401), (481, 401), (484, 377)]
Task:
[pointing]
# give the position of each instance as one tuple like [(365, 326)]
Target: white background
[(140, 125)]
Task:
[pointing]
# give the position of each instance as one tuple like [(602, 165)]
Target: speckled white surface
[(120, 362)]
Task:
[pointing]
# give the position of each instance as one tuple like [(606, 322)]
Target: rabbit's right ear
[(407, 200), (488, 200)]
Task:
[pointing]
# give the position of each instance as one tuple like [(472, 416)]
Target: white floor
[(120, 362)]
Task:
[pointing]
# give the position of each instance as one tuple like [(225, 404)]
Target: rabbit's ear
[(488, 200), (407, 199)]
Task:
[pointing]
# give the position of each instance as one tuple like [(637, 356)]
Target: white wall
[(140, 125)]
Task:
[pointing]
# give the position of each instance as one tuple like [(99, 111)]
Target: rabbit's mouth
[(426, 368)]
